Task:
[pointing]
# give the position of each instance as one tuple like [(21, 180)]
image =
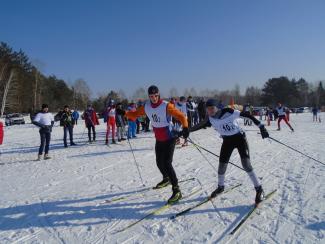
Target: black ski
[(250, 213), (207, 199)]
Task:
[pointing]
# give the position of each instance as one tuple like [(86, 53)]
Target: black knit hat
[(211, 102), (44, 105), (153, 90)]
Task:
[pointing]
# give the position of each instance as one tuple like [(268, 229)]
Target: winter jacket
[(120, 117), (90, 117), (75, 115), (45, 121), (66, 119), (1, 133)]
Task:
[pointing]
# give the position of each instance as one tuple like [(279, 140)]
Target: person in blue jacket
[(75, 116)]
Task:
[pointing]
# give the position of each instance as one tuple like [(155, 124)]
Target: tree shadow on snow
[(108, 152), (31, 149), (76, 212)]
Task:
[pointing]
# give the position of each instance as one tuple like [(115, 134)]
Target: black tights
[(164, 158)]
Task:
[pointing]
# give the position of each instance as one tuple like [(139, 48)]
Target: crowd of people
[(170, 121)]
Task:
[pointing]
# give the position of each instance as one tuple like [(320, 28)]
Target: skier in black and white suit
[(224, 121)]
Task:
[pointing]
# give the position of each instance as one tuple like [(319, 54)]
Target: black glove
[(264, 132), (185, 132)]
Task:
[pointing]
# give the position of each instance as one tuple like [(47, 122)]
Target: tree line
[(23, 88)]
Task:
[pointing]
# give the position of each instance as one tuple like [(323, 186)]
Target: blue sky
[(126, 44)]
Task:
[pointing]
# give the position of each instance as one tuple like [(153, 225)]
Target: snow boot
[(259, 195), (106, 142), (113, 141), (165, 182), (217, 191), (46, 156), (177, 195), (39, 157)]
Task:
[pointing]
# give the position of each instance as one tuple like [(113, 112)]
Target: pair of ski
[(168, 205), (207, 199), (156, 211), (248, 215)]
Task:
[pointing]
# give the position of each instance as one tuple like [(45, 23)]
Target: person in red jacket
[(110, 122), (1, 133), (91, 121)]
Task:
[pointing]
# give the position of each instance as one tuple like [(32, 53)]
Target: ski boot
[(259, 195), (178, 141), (46, 156), (177, 195), (165, 182), (217, 191)]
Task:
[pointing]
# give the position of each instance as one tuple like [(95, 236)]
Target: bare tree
[(82, 93), (121, 94), (173, 92), (140, 93), (6, 90)]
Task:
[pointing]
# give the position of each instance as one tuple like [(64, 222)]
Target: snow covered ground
[(62, 200)]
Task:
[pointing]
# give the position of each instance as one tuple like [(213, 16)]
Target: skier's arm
[(135, 114), (263, 130), (249, 116), (174, 112), (204, 123), (36, 121)]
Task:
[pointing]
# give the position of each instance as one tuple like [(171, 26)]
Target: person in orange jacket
[(160, 112)]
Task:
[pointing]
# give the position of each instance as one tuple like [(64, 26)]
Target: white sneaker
[(46, 156)]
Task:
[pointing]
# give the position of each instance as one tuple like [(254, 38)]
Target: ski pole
[(82, 135), (135, 161), (203, 155), (295, 150), (196, 145)]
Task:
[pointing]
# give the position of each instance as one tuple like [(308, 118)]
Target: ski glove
[(264, 132), (185, 132)]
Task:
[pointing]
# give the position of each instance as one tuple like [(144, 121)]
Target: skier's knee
[(246, 163), (222, 168)]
